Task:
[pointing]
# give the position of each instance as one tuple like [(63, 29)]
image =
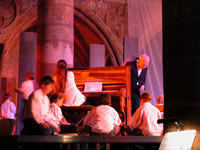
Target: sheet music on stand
[(179, 140), (93, 87)]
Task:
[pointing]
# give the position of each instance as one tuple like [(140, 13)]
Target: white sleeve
[(137, 118), (70, 79), (36, 109), (89, 115), (21, 88), (73, 94), (117, 120), (52, 119), (72, 84), (13, 108)]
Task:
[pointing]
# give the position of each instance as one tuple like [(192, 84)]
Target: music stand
[(178, 140)]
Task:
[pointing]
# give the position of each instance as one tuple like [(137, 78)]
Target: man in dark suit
[(138, 79)]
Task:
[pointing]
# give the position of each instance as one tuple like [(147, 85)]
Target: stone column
[(55, 35), (27, 63)]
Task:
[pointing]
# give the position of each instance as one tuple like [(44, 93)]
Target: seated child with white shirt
[(37, 108), (58, 120), (103, 119), (144, 120)]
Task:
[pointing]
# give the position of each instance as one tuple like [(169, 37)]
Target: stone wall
[(26, 15)]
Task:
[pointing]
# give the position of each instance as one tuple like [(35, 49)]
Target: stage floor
[(89, 142)]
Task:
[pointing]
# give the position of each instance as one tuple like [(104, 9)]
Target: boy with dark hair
[(37, 110)]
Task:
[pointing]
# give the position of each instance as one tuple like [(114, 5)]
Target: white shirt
[(73, 96), (8, 109), (102, 119), (145, 118), (40, 107), (57, 117), (27, 87), (139, 72)]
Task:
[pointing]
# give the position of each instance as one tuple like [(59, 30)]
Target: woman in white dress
[(65, 83)]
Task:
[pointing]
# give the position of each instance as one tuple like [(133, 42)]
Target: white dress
[(72, 94)]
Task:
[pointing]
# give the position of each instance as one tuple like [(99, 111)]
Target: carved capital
[(7, 13)]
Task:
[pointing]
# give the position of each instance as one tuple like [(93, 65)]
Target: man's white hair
[(146, 57)]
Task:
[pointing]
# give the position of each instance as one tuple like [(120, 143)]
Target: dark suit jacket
[(137, 82)]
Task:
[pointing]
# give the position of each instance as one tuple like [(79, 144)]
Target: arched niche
[(113, 46)]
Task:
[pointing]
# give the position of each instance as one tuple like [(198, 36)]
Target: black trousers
[(68, 129), (33, 128), (135, 131), (135, 102), (11, 125)]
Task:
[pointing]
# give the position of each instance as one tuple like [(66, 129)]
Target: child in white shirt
[(144, 120), (37, 110), (8, 111), (58, 120), (103, 119)]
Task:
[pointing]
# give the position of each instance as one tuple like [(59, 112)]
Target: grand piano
[(115, 80)]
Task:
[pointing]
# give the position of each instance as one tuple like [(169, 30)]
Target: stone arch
[(103, 31), (11, 40), (29, 18), (10, 37)]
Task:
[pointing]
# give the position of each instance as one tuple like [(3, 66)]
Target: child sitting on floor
[(144, 120), (58, 120), (103, 119), (36, 110)]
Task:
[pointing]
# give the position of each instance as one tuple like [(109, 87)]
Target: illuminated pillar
[(27, 63), (55, 35)]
